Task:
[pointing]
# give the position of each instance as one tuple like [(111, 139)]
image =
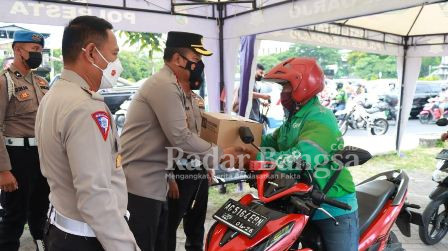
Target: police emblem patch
[(102, 120)]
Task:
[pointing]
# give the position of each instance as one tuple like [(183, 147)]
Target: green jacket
[(341, 97), (313, 134)]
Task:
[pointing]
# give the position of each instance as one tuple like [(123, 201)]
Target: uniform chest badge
[(102, 120), (24, 95)]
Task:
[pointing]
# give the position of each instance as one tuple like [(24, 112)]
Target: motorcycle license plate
[(443, 154), (240, 218)]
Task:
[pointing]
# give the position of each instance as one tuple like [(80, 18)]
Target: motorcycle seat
[(372, 196)]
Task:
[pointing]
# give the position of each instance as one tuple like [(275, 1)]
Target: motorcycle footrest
[(414, 206)]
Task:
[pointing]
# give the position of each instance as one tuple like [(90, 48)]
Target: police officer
[(79, 147), (24, 195), (164, 115)]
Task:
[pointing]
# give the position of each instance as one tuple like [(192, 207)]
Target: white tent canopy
[(408, 29)]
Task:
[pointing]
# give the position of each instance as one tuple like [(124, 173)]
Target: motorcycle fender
[(404, 222), (440, 193)]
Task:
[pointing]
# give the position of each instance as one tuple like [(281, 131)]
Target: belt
[(72, 226), (20, 141)]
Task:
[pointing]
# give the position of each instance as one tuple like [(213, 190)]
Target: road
[(386, 143)]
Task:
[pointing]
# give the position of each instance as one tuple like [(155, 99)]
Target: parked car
[(114, 97), (424, 91)]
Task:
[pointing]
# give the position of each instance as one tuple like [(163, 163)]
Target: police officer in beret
[(24, 195), (165, 114)]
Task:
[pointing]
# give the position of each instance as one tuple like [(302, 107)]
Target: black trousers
[(193, 215), (58, 240), (148, 222), (27, 204)]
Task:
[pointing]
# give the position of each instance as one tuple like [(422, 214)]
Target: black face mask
[(196, 75), (34, 60), (258, 77)]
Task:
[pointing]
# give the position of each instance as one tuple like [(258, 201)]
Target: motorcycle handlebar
[(322, 198), (337, 204)]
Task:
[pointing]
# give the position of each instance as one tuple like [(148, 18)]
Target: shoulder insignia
[(102, 120), (40, 81)]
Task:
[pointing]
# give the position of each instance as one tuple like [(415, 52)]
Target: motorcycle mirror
[(442, 122), (246, 135)]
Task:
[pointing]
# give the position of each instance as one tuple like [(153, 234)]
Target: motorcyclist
[(311, 131), (341, 97)]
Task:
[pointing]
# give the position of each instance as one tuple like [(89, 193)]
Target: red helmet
[(304, 74)]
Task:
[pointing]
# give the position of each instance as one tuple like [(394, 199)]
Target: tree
[(325, 56), (369, 66), (57, 64), (135, 65), (428, 65), (152, 42), (147, 42)]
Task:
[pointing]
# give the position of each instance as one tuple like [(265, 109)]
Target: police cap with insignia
[(177, 39), (25, 36)]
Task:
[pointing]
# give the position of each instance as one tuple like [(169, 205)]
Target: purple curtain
[(246, 61)]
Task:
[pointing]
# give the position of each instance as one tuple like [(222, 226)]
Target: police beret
[(193, 41), (23, 36)]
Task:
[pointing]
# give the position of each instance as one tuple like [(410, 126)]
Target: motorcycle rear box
[(223, 129)]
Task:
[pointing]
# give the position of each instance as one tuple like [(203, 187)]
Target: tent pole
[(400, 112), (221, 51)]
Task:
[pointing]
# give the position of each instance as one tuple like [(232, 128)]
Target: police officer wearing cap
[(78, 145), (24, 195), (166, 114)]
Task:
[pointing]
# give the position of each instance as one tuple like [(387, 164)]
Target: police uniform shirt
[(18, 113), (158, 118), (78, 150)]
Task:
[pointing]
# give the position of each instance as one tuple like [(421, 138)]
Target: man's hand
[(173, 191), (444, 137), (8, 182), (210, 175), (265, 96)]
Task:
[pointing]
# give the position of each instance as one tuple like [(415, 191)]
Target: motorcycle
[(387, 104), (431, 112), (358, 117), (435, 215), (279, 217)]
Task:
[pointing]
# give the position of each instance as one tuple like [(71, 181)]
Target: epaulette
[(9, 83), (93, 94)]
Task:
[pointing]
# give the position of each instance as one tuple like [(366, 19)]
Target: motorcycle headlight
[(275, 238), (439, 176)]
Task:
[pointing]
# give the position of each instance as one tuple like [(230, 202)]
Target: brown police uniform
[(191, 206), (157, 118), (20, 97), (78, 149)]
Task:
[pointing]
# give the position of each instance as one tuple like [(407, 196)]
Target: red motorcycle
[(279, 218), (431, 112)]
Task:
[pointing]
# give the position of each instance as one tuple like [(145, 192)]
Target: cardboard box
[(223, 129)]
